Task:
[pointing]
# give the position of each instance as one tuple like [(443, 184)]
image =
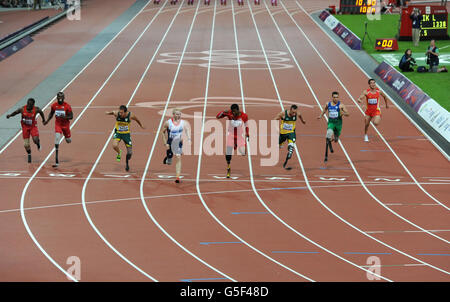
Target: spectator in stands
[(416, 17), (10, 3), (407, 61), (36, 3), (433, 58)]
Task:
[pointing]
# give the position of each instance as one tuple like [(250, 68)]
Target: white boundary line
[(348, 157), (251, 172), (195, 193), (314, 194), (197, 183), (411, 120), (79, 73), (83, 192), (22, 199), (141, 189)]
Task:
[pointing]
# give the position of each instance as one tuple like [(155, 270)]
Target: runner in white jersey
[(173, 140)]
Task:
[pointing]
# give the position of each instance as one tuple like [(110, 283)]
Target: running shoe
[(119, 156), (366, 138)]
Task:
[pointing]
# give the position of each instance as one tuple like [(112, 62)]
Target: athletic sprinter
[(29, 124), (373, 112), (173, 141), (63, 114), (288, 120), (335, 111), (235, 138), (122, 132)]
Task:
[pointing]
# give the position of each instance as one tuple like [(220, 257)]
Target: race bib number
[(27, 121), (372, 101), (60, 113), (288, 127), (334, 114), (123, 128), (236, 123)]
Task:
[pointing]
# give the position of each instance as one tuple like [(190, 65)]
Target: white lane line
[(306, 177), (281, 105), (197, 183), (349, 159), (394, 265), (22, 199), (411, 120), (83, 192), (182, 195), (415, 231), (141, 188), (78, 74), (375, 128)]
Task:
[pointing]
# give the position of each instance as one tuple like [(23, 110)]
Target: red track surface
[(51, 47), (317, 223)]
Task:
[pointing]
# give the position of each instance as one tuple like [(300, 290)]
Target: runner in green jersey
[(122, 131), (335, 111)]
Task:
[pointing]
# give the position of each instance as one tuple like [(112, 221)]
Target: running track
[(388, 198)]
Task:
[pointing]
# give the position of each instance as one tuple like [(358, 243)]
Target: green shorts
[(290, 137), (336, 126), (125, 137)]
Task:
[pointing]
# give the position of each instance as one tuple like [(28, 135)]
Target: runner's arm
[(50, 116), (39, 111), (223, 113), (325, 109), (279, 116), (361, 97), (164, 134), (70, 115), (385, 98), (19, 110), (134, 117), (344, 110), (111, 113), (247, 132), (187, 131), (301, 118)]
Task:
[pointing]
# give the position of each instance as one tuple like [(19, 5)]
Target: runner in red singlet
[(373, 112), (235, 133), (29, 124), (64, 114)]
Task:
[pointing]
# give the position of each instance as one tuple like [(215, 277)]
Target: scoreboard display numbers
[(358, 6), (386, 44), (433, 24)]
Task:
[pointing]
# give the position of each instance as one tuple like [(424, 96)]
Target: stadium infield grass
[(436, 85)]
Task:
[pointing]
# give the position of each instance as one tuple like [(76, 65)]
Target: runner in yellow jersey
[(288, 119), (122, 131)]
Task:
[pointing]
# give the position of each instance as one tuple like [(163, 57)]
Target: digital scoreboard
[(357, 6), (386, 44), (433, 24)]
